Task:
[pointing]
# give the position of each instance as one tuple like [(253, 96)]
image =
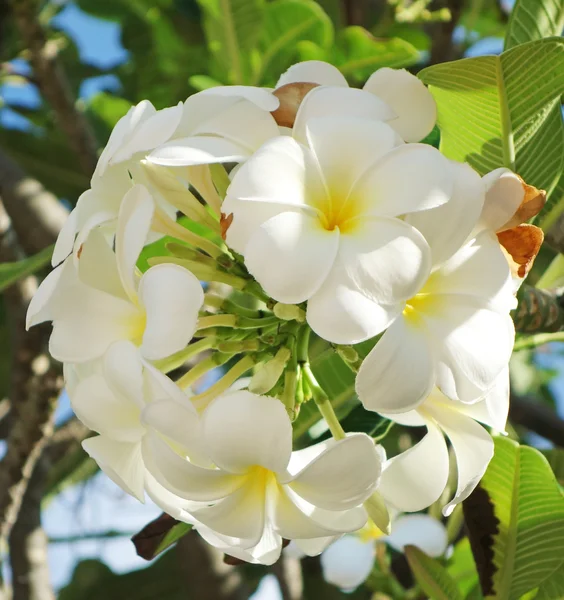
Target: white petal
[(338, 102), (402, 484), (409, 99), (410, 178), (40, 307), (198, 150), (242, 430), (65, 239), (179, 425), (411, 418), (172, 297), (478, 269), (342, 477), (123, 370), (261, 97), (348, 562), (283, 172), (461, 212), (497, 402), (473, 447), (314, 546), (231, 118), (313, 71), (380, 264), (97, 266), (241, 514), (248, 216), (183, 478), (293, 523), (290, 256), (473, 346), (345, 147), (150, 133), (382, 384), (121, 462), (103, 410), (423, 531), (504, 195), (176, 507), (134, 223)]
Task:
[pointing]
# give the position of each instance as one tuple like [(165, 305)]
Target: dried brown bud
[(531, 205), (224, 224), (522, 244), (290, 96)]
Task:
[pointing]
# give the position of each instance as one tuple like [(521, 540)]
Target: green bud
[(378, 512), (269, 373), (289, 312)]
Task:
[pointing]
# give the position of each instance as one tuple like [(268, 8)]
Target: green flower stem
[(202, 271), (235, 347), (323, 404), (303, 344), (162, 223), (253, 288), (220, 179), (201, 401), (538, 340), (216, 360), (252, 323), (228, 305), (179, 358), (217, 321)]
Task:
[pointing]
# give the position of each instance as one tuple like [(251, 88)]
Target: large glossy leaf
[(11, 272), (504, 110), (288, 22), (232, 27), (431, 576), (534, 20), (528, 546)]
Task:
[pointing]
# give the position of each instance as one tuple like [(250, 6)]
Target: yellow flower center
[(339, 212), (370, 532)]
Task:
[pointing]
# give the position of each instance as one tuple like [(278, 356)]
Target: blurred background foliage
[(166, 51)]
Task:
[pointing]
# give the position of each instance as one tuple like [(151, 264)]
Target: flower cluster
[(223, 231)]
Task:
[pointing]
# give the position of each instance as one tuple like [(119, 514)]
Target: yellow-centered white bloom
[(319, 222), (455, 332), (416, 478), (218, 125), (99, 297), (259, 491)]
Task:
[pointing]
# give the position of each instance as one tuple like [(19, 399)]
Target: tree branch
[(288, 573), (36, 215), (36, 382), (28, 545), (53, 84), (539, 311), (537, 417), (442, 49)]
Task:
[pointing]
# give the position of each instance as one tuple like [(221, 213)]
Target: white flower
[(99, 297), (348, 562), (319, 222), (110, 401), (260, 492), (417, 477), (455, 332), (219, 125), (414, 109)]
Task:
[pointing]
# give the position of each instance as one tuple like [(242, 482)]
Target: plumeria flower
[(259, 492), (455, 332), (403, 485), (319, 222), (110, 402), (348, 562), (410, 107), (218, 125), (100, 297)]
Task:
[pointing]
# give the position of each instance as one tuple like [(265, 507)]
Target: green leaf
[(288, 22), (11, 272), (359, 53), (555, 459), (496, 111), (552, 588), (432, 576), (158, 535), (203, 82), (232, 27), (462, 568), (533, 20), (528, 547)]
